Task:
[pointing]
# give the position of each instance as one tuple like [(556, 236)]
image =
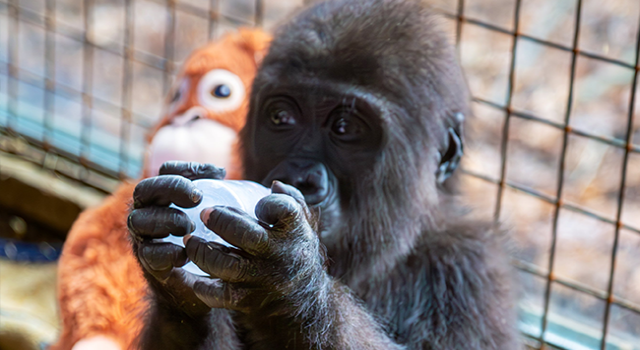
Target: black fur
[(406, 269)]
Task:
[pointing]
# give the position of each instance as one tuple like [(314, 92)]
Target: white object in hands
[(98, 342), (239, 194)]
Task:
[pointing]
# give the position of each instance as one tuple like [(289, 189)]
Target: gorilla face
[(320, 139), (360, 118)]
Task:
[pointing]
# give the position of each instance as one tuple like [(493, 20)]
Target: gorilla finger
[(279, 210), (218, 294), (159, 222), (180, 282), (160, 258), (192, 170), (236, 227), (217, 260), (166, 189), (282, 188)]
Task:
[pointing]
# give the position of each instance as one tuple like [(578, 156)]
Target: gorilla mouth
[(315, 190), (310, 177), (329, 216), (321, 198), (329, 199)]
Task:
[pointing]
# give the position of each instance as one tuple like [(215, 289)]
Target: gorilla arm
[(278, 283), (176, 318), (452, 292), (447, 294)]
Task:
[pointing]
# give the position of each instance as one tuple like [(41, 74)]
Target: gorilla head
[(363, 116)]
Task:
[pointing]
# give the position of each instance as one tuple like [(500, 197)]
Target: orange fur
[(241, 54), (100, 285), (101, 290)]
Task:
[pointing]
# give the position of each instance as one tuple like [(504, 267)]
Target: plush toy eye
[(219, 90)]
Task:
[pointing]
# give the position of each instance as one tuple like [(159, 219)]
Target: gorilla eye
[(281, 117), (348, 127), (340, 127), (221, 91)]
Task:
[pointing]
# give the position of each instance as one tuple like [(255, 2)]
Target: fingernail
[(205, 213), (186, 239), (130, 224), (277, 187), (193, 226), (196, 195), (146, 251)]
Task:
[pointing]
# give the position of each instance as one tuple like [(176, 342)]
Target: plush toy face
[(208, 104)]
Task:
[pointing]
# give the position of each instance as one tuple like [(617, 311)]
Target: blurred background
[(554, 147)]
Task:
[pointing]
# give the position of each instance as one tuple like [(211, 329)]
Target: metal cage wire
[(509, 113), (41, 151), (80, 167)]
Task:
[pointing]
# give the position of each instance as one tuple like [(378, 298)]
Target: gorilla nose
[(310, 177)]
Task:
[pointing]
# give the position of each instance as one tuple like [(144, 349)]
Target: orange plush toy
[(101, 290)]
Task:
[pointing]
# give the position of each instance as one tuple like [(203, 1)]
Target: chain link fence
[(555, 151)]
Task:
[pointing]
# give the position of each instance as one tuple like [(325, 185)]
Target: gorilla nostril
[(313, 188), (308, 176), (307, 188), (315, 196)]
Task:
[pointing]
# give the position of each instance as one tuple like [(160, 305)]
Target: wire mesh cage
[(562, 105), (82, 81), (556, 152)]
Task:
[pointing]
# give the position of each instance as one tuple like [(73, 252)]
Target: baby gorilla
[(359, 107)]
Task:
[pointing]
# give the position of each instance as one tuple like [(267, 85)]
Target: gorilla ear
[(450, 159)]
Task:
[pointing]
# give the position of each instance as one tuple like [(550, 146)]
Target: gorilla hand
[(152, 218), (279, 264)]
